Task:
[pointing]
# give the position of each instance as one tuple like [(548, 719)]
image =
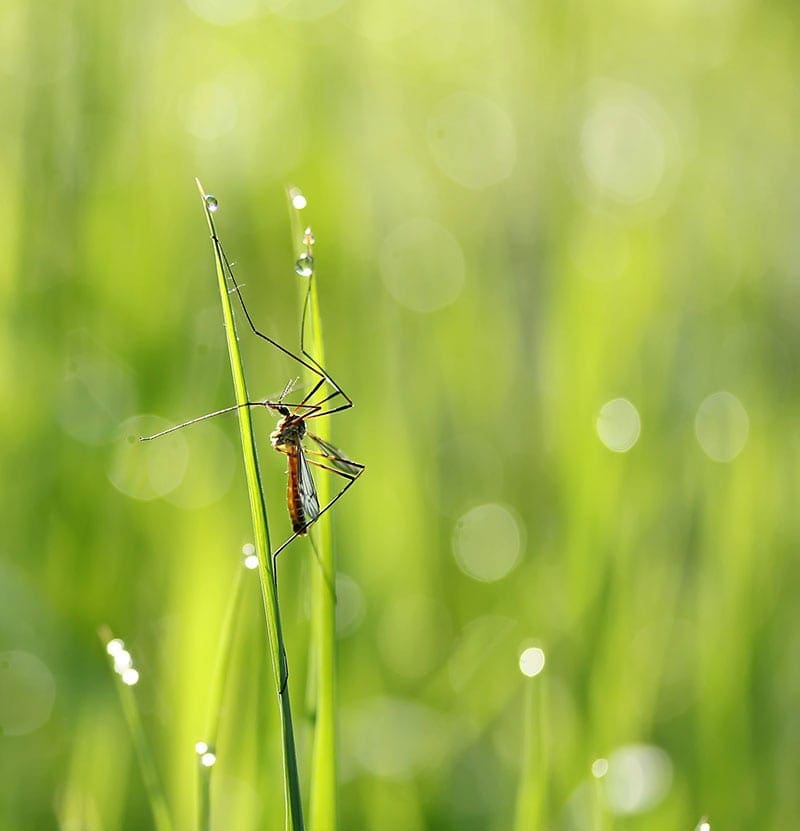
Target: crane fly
[(301, 493), (291, 430)]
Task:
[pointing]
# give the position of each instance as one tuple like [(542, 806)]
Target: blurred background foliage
[(558, 265)]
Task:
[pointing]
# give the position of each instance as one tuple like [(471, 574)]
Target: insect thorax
[(288, 433)]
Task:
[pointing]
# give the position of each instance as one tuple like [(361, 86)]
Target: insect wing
[(308, 491), (335, 456)]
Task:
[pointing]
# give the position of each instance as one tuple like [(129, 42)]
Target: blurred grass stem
[(323, 803), (533, 779), (147, 766), (598, 806), (203, 796), (218, 679)]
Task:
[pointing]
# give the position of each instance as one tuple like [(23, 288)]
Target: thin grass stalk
[(218, 679), (258, 512), (162, 821), (323, 802), (599, 819), (203, 795), (533, 779)]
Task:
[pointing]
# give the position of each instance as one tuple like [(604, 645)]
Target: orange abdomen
[(293, 499)]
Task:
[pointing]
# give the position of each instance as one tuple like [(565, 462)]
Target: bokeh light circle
[(95, 392), (472, 140), (618, 425), (531, 661), (487, 542), (210, 466), (27, 693), (722, 426), (147, 470), (225, 12), (639, 777), (304, 9), (209, 112), (422, 265), (623, 148), (396, 738), (250, 556)]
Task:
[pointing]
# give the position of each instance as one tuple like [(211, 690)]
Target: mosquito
[(292, 431)]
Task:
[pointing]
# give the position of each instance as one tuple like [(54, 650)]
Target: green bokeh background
[(614, 189)]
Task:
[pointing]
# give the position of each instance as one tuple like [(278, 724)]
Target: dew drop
[(299, 201), (115, 646), (304, 265), (211, 202), (308, 237), (531, 661), (122, 660)]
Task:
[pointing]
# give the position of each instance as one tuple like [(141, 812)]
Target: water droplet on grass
[(211, 203), (115, 646), (304, 265), (531, 661), (299, 200)]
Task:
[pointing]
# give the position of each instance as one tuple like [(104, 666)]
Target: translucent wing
[(308, 491), (335, 457)]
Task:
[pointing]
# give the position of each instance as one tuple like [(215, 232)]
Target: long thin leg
[(356, 466), (297, 534), (311, 394), (330, 451), (229, 271), (312, 408), (334, 410), (337, 389), (314, 365), (331, 469), (203, 418)]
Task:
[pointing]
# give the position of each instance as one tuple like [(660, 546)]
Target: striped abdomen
[(294, 497)]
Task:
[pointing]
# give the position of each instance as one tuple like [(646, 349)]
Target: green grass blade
[(323, 795), (258, 511), (218, 679), (599, 822), (147, 766), (203, 795), (533, 775), (223, 658)]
